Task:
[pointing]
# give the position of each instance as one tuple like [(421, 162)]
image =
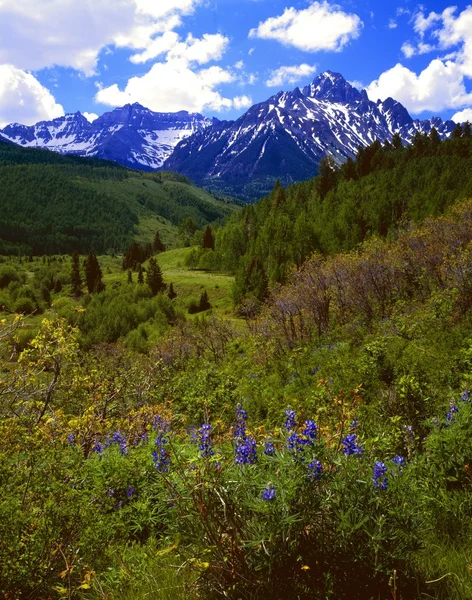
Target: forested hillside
[(340, 208), (54, 204)]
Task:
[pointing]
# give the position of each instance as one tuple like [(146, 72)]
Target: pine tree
[(204, 303), (93, 274), (326, 179), (467, 130), (208, 239), (397, 141), (458, 132), (434, 138), (157, 244), (58, 286), (171, 293), (130, 276), (140, 275), (154, 277), (75, 278)]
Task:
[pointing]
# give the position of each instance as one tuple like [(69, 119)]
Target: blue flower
[(241, 418), (466, 396), (290, 421), (311, 429), (354, 424), (98, 448), (315, 470), (117, 438), (268, 494), (246, 451), (206, 443), (130, 491), (399, 461), (160, 424), (269, 449), (350, 445), (71, 439), (379, 477), (453, 409), (160, 456)]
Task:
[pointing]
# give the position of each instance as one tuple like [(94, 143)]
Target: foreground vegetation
[(316, 446)]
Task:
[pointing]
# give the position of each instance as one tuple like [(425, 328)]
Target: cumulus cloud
[(171, 86), (291, 75), (91, 117), (23, 99), (442, 84), (321, 26), (438, 87), (69, 33), (242, 102), (463, 116)]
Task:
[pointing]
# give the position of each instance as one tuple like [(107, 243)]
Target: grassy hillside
[(53, 204)]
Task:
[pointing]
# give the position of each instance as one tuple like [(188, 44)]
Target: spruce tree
[(93, 274), (208, 239), (154, 277), (171, 293), (204, 303), (58, 286), (140, 275), (157, 244), (75, 278), (458, 132), (467, 130), (130, 276)]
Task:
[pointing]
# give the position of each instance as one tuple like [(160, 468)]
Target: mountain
[(53, 204), (133, 136), (286, 137)]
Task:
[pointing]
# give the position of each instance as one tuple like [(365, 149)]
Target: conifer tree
[(326, 179), (467, 130), (93, 274), (204, 303), (58, 286), (154, 277), (140, 275), (208, 239), (434, 138), (171, 293), (397, 141), (75, 278), (458, 132), (130, 276), (157, 244)]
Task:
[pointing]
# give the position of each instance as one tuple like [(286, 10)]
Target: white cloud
[(292, 74), (463, 116), (72, 33), (408, 50), (392, 24), (171, 86), (242, 102), (321, 26), (91, 117), (438, 87), (23, 99)]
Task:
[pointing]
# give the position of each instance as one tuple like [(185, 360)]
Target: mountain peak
[(333, 87)]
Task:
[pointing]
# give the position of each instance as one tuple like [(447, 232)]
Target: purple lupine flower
[(466, 396), (117, 438), (130, 491), (98, 448), (245, 451), (399, 461), (241, 418), (268, 493), (269, 449), (311, 430), (290, 421), (354, 424), (315, 470), (110, 492), (351, 447), (379, 477), (453, 409), (160, 455), (206, 443), (71, 439)]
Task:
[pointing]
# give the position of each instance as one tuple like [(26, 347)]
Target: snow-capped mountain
[(132, 135), (287, 136)]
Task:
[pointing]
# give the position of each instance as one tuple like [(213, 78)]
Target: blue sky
[(220, 56)]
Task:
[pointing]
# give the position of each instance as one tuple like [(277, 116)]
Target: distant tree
[(326, 179), (397, 141), (140, 275), (348, 170), (75, 278), (467, 130), (278, 195), (458, 131), (157, 244), (204, 303), (171, 293), (154, 277), (434, 138), (208, 239), (187, 228), (130, 276), (93, 274), (58, 286)]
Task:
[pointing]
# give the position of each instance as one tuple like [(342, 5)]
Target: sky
[(218, 57)]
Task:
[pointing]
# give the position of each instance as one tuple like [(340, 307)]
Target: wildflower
[(144, 438), (399, 461), (452, 411), (110, 492), (98, 448), (206, 443), (241, 418), (466, 396), (71, 439), (311, 429), (290, 420), (269, 449), (354, 424), (160, 424), (350, 445), (117, 438), (160, 456), (268, 494), (123, 448), (246, 451), (130, 491), (379, 477), (315, 470)]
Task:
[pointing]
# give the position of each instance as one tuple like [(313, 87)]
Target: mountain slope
[(53, 204), (286, 137), (132, 135)]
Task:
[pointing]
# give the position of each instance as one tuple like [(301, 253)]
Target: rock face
[(287, 136), (132, 135)]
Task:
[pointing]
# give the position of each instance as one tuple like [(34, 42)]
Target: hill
[(53, 204)]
